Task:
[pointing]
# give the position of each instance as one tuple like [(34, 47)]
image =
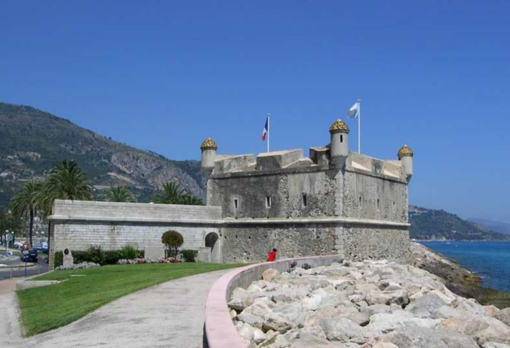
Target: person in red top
[(272, 255)]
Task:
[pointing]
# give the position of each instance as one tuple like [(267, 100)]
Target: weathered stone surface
[(504, 316), (343, 330), (426, 305), (416, 337), (252, 320), (270, 274), (495, 345), (277, 322), (486, 329), (335, 307)]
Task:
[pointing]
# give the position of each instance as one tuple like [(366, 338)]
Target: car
[(29, 255)]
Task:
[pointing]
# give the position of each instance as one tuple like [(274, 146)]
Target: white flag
[(353, 111)]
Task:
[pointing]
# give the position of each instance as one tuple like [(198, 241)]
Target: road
[(7, 272)]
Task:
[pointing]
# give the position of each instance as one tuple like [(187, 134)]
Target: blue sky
[(164, 75)]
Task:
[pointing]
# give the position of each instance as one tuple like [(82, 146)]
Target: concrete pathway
[(167, 315)]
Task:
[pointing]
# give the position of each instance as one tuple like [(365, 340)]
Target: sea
[(490, 260)]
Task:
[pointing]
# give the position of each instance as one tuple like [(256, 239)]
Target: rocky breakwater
[(370, 304)]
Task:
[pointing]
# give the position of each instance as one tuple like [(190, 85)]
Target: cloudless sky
[(164, 75)]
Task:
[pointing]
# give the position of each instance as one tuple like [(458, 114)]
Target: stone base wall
[(77, 235), (374, 242), (253, 243)]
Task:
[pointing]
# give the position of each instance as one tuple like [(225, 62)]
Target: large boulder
[(426, 305), (419, 337), (486, 329), (270, 274), (277, 322), (343, 330), (383, 323), (504, 316)]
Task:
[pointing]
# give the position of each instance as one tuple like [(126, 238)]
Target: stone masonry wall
[(375, 198), (371, 242), (78, 235), (77, 225), (253, 243), (293, 194)]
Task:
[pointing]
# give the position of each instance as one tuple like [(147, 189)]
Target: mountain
[(430, 224), (32, 141), (496, 226)]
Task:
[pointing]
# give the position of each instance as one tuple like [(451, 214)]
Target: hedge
[(97, 255)]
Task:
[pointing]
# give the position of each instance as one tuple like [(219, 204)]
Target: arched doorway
[(211, 241)]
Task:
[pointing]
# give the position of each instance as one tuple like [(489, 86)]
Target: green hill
[(32, 141), (430, 224)]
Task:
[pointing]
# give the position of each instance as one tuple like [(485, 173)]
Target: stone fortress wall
[(77, 225), (332, 202)]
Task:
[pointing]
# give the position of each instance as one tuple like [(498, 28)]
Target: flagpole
[(268, 130), (359, 125)]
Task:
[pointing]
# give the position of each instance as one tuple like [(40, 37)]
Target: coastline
[(458, 279)]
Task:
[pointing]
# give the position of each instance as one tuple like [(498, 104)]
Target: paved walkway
[(167, 315)]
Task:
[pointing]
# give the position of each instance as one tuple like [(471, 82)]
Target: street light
[(6, 241)]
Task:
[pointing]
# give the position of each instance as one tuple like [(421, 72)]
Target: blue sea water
[(490, 260)]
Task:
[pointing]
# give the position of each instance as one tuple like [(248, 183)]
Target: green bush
[(128, 252), (59, 258), (111, 257), (80, 256), (189, 255), (172, 240), (96, 254)]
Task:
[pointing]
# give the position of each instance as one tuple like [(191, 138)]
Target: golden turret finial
[(339, 126), (209, 144), (405, 151)]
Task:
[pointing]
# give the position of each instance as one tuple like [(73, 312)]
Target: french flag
[(265, 130)]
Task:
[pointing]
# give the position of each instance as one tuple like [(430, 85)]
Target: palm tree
[(190, 200), (120, 194), (66, 181), (28, 202), (170, 193)]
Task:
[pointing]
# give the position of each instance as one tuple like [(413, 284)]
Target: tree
[(190, 200), (172, 241), (170, 193), (120, 194), (28, 202), (66, 181)]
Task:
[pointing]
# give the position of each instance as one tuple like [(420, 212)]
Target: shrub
[(172, 240), (111, 257), (80, 256), (129, 252), (59, 259), (189, 255), (96, 255)]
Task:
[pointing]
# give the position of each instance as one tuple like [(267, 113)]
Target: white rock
[(312, 303), (270, 274)]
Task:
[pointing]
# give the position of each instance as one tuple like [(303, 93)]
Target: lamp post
[(6, 241)]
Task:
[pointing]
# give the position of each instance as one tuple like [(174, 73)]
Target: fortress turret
[(339, 146), (208, 148), (405, 155)]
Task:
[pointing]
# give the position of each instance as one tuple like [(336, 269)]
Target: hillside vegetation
[(32, 141), (430, 224)]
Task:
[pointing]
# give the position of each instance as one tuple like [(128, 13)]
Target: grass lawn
[(50, 307)]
